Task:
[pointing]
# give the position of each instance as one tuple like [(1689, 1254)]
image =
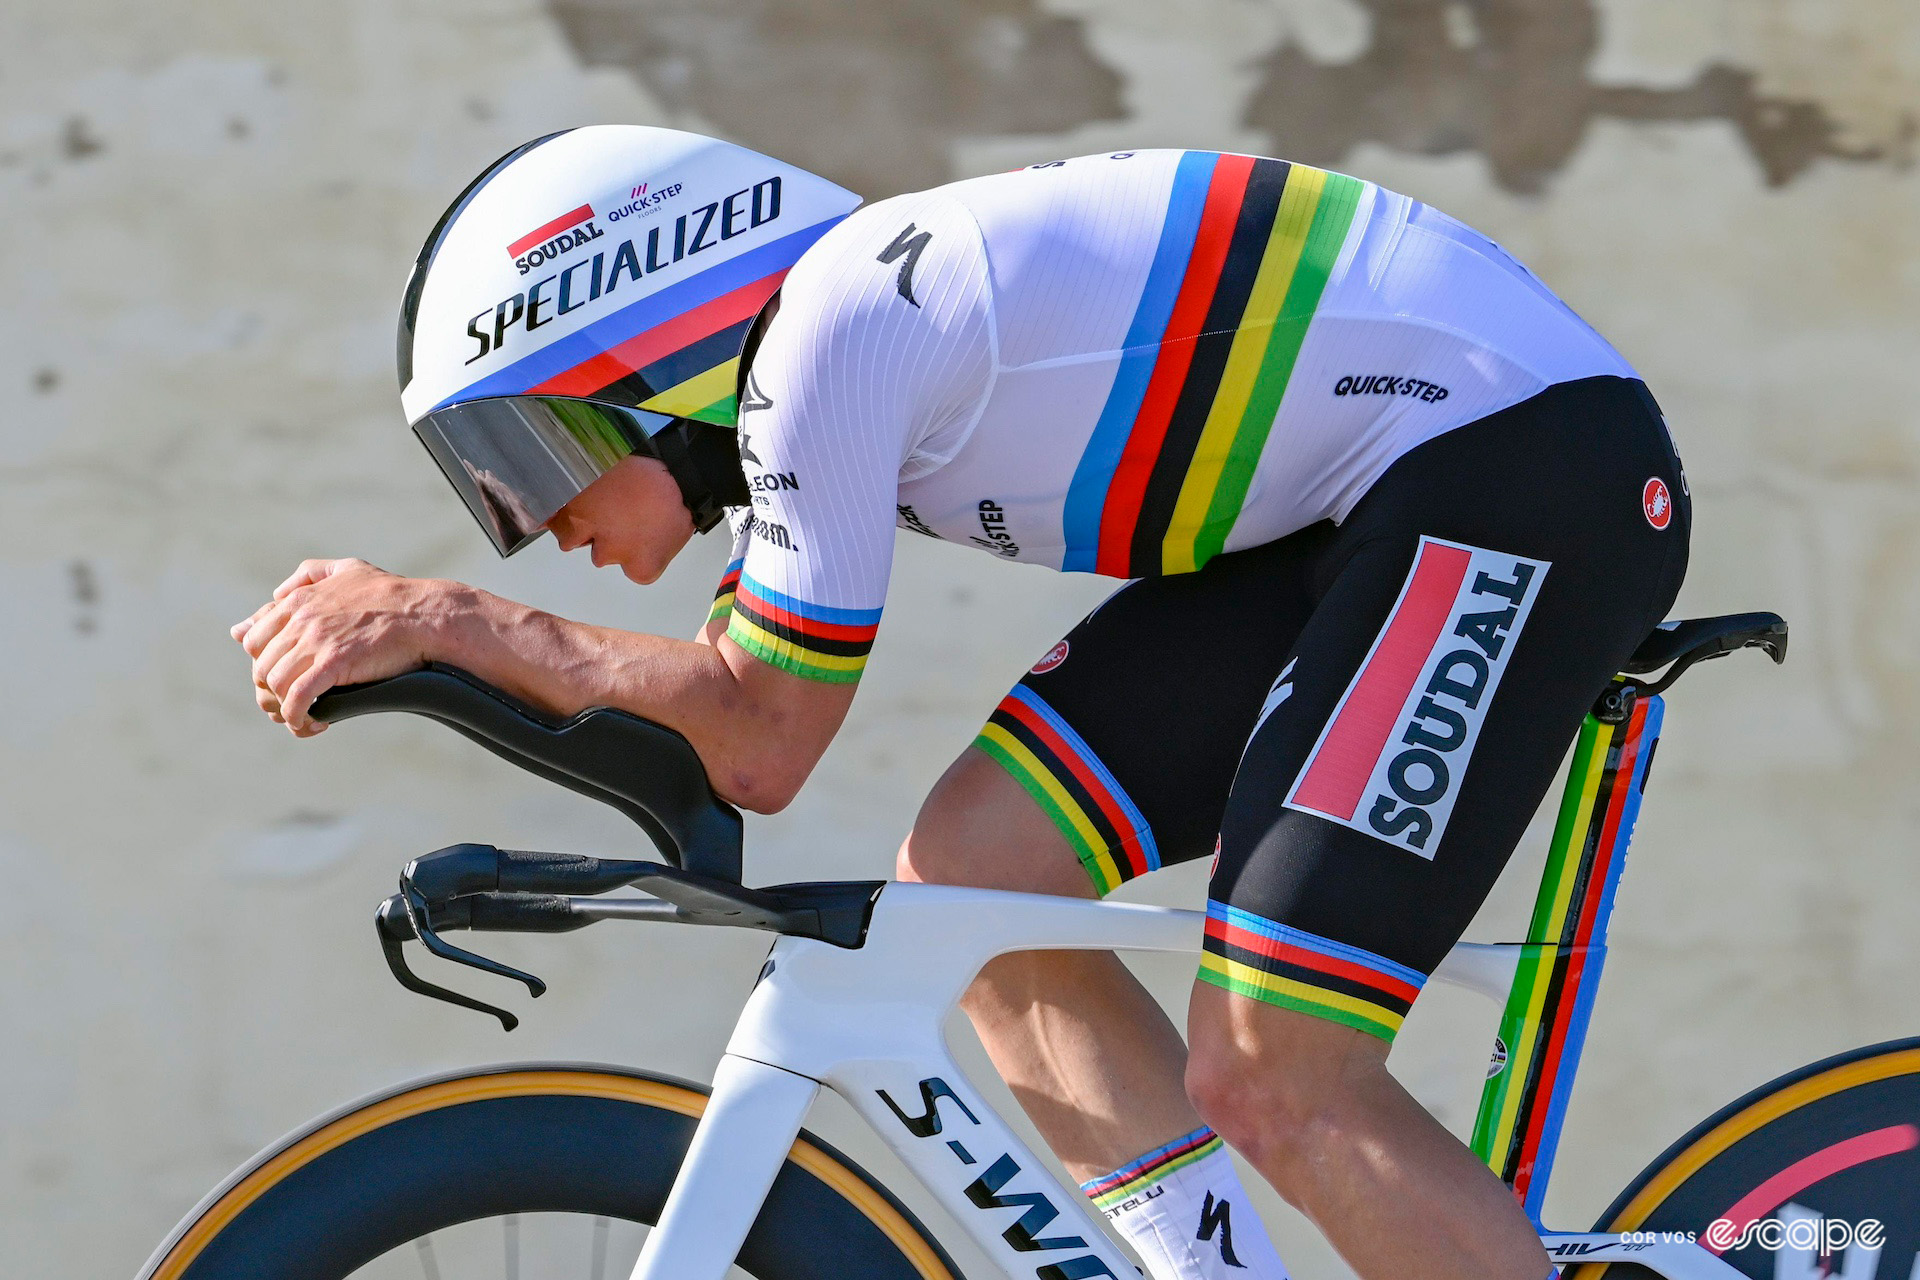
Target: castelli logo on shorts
[(1391, 759), (1055, 656), (1657, 503)]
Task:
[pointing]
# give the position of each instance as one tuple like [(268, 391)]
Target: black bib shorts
[(1360, 719)]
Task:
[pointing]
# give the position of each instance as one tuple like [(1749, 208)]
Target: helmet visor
[(517, 460)]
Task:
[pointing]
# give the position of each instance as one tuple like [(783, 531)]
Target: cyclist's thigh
[(1126, 734), (979, 828), (1481, 596)]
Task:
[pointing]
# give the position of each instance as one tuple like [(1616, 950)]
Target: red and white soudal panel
[(1391, 760)]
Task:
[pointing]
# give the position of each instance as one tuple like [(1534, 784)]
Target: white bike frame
[(868, 1023)]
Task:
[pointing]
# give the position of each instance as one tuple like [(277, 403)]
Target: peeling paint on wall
[(887, 87), (1509, 78)]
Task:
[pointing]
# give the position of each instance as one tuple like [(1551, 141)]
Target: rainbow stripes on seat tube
[(1544, 1026), (1244, 255)]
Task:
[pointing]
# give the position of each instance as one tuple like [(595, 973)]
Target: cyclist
[(1393, 515)]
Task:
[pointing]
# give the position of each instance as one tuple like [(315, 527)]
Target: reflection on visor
[(515, 461)]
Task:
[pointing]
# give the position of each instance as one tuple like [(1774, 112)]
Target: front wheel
[(538, 1171), (1793, 1174)]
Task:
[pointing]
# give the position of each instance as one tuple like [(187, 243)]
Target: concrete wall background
[(209, 210)]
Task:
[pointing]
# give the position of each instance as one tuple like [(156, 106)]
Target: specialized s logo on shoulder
[(1391, 759), (906, 249)]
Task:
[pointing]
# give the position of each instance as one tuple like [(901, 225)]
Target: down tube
[(1031, 1225), (1544, 1027)]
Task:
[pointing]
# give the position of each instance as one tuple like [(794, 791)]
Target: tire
[(526, 1139), (1840, 1138)]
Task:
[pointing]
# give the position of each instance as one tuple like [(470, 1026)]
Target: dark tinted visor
[(517, 460)]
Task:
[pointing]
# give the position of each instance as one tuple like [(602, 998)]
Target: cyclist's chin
[(643, 574)]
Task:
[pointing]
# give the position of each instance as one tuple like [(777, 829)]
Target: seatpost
[(1544, 1028)]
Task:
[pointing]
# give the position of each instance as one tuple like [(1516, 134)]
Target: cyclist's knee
[(1287, 1101), (978, 827)]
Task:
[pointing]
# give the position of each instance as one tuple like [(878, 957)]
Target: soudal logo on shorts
[(1391, 760), (563, 235), (1657, 502)]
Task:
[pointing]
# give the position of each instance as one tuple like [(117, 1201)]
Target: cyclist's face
[(632, 516)]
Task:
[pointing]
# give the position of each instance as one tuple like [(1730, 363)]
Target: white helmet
[(590, 295)]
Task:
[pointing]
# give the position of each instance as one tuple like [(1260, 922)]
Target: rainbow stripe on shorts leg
[(808, 640), (1063, 775), (1113, 1190), (1259, 958)]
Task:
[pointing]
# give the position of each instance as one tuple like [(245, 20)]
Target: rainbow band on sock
[(1065, 778), (1245, 253), (1116, 1187), (723, 596), (812, 641), (1262, 959)]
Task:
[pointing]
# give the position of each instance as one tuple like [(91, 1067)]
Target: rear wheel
[(1838, 1140), (535, 1171)]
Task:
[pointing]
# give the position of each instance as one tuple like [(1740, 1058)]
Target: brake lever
[(396, 962), (392, 948), (417, 914)]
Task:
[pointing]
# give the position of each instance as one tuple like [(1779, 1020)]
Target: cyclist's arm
[(758, 729)]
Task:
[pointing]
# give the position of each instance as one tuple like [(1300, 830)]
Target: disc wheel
[(387, 1177), (1838, 1140)]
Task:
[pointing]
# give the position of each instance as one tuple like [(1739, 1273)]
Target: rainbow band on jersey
[(723, 596), (1055, 766), (1263, 959), (808, 640), (1244, 256), (1128, 1180)]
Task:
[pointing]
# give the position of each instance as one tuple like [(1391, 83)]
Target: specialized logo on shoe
[(1215, 1215), (1391, 759), (1657, 503), (1055, 656)]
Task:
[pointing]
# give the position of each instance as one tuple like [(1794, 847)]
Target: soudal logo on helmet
[(548, 243), (1391, 759), (589, 280)]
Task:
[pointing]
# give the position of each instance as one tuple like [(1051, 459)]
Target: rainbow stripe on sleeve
[(723, 597), (1244, 256), (1263, 959), (808, 640)]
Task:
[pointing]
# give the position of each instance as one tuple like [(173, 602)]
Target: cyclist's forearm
[(751, 751)]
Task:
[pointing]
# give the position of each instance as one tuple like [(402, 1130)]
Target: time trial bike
[(564, 1169)]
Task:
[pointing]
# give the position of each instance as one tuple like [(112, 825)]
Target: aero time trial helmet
[(589, 296)]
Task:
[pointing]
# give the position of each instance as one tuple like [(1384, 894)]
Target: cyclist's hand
[(337, 622)]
